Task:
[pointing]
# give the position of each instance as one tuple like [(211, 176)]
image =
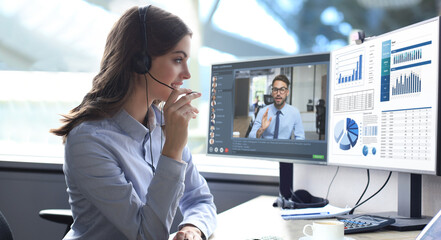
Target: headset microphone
[(142, 62), (164, 83), (159, 81)]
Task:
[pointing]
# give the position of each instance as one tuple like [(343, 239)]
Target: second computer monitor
[(270, 109), (384, 101)]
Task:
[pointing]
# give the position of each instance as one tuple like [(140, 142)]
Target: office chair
[(320, 118), (249, 128), (63, 216), (268, 99), (5, 230)]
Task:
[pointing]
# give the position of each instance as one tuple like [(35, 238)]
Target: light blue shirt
[(112, 190), (289, 121)]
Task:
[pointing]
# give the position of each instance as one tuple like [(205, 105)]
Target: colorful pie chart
[(346, 133)]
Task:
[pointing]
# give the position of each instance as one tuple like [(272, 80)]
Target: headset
[(300, 199), (142, 62), (141, 65)]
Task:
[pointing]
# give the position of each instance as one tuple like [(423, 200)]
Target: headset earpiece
[(300, 199), (142, 62)]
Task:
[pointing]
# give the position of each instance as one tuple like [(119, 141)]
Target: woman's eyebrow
[(180, 51)]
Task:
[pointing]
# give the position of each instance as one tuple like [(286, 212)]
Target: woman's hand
[(177, 114), (189, 232)]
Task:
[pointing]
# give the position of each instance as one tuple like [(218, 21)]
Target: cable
[(387, 180), (335, 174), (147, 125), (367, 185), (365, 189), (160, 124), (158, 81)]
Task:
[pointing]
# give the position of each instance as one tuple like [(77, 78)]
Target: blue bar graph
[(407, 84), (370, 131), (408, 56), (356, 72)]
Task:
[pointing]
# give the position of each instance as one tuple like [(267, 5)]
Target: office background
[(50, 51)]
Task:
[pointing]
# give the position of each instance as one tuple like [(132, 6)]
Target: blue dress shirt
[(113, 192), (290, 121)]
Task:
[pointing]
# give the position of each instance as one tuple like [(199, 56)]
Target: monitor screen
[(383, 101), (271, 109)]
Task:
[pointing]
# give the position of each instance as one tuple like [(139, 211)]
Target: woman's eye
[(178, 60)]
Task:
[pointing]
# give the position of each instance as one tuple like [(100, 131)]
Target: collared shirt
[(290, 122), (112, 190)]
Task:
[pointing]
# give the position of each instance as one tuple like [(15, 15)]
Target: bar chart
[(349, 69), (409, 83), (408, 56), (356, 72), (370, 131)]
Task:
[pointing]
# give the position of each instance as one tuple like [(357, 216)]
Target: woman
[(127, 165)]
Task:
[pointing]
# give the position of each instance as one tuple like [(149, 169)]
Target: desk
[(257, 218)]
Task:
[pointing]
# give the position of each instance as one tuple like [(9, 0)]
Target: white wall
[(350, 183)]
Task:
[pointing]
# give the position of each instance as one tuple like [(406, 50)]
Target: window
[(49, 57)]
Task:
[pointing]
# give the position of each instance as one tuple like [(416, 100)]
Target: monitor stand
[(286, 173), (409, 216), (288, 198), (285, 184)]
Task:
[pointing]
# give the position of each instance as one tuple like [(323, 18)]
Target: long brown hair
[(115, 80)]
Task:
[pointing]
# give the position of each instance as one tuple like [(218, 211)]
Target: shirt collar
[(135, 129), (274, 109), (159, 117)]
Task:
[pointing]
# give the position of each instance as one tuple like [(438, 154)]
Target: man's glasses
[(280, 90)]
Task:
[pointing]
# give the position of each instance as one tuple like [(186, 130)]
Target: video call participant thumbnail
[(278, 120)]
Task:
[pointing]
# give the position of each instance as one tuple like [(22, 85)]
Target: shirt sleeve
[(299, 132), (257, 123), (197, 204), (92, 166)]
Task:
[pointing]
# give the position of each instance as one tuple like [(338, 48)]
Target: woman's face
[(171, 69)]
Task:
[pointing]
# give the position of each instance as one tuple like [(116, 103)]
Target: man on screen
[(278, 120)]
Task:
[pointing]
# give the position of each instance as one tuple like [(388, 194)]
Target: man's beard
[(281, 103)]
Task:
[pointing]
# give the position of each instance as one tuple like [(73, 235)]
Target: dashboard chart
[(402, 76), (406, 83), (383, 100), (349, 69), (346, 133)]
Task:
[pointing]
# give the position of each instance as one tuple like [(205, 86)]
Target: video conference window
[(298, 93), (273, 108)]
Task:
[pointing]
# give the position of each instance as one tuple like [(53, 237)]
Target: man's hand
[(188, 232), (265, 124)]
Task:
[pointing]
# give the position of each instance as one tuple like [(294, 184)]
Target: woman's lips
[(176, 84)]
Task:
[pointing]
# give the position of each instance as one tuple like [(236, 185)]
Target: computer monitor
[(384, 106), (241, 94)]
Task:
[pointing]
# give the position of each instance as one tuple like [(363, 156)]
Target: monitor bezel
[(437, 169), (301, 59)]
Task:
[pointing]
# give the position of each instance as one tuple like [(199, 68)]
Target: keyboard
[(365, 223)]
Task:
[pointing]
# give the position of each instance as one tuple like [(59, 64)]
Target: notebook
[(313, 213)]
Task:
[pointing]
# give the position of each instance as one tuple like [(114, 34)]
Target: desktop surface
[(257, 218)]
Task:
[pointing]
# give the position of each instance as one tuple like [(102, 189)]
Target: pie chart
[(346, 133), (365, 150)]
